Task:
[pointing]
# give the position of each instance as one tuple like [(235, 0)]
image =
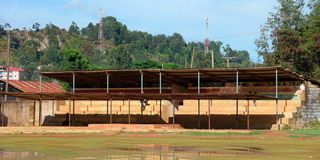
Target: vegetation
[(148, 145), (315, 124), (53, 48), (291, 38)]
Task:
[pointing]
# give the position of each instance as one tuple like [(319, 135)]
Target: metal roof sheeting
[(34, 87)]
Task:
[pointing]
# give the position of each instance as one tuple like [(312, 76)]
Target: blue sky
[(234, 22)]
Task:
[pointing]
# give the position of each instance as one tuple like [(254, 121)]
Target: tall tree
[(74, 60), (74, 29), (281, 35)]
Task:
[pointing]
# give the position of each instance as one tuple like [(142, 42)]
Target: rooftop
[(34, 87), (11, 69)]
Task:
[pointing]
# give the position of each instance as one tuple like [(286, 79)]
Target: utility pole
[(8, 66), (101, 37), (212, 59), (228, 60), (206, 40), (192, 57)]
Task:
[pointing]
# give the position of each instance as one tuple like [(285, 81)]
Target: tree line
[(56, 49)]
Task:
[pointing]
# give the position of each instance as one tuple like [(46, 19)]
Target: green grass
[(229, 145), (195, 133), (304, 133)]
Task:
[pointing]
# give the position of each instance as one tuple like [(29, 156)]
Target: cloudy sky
[(234, 22)]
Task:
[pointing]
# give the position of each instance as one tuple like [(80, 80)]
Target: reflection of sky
[(233, 22)]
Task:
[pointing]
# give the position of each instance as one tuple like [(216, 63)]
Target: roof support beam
[(277, 101), (108, 77), (199, 82), (160, 82), (141, 81)]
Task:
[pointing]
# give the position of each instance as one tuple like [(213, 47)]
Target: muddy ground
[(80, 143)]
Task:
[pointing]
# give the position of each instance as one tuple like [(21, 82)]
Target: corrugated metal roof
[(12, 69), (34, 87)]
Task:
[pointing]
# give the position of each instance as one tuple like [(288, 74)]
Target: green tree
[(146, 64), (280, 38), (74, 29), (119, 58), (312, 38), (91, 32), (74, 60), (28, 57)]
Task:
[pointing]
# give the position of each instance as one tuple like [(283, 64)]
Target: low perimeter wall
[(25, 113), (186, 121)]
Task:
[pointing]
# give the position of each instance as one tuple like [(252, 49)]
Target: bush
[(315, 124), (286, 127)]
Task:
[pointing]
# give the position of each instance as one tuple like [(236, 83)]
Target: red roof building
[(14, 73), (32, 86)]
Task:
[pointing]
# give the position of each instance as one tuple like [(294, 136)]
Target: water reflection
[(4, 154), (143, 152)]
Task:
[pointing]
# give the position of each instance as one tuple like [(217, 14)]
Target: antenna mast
[(206, 40), (101, 38)]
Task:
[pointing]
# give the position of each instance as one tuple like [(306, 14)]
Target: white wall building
[(14, 73)]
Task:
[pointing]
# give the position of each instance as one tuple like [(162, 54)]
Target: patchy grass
[(195, 133), (304, 133), (188, 145)]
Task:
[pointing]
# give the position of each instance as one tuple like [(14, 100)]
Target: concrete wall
[(25, 113)]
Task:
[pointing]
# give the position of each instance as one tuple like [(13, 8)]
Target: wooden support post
[(237, 82), (107, 121), (73, 113), (173, 116), (277, 101), (34, 112), (248, 115), (108, 77), (199, 82), (160, 108), (69, 114), (1, 112), (209, 114), (160, 82), (110, 111), (237, 114), (198, 113), (40, 112), (40, 101), (129, 114), (141, 81)]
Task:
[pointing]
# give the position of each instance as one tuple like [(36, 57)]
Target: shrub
[(315, 124)]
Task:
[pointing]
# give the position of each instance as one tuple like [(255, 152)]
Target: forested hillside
[(53, 48)]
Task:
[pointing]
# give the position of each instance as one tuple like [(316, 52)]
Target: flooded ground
[(289, 145), (145, 152)]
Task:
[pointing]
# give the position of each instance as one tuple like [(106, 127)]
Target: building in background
[(13, 75)]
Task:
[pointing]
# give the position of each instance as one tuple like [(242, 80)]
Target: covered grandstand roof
[(127, 79), (179, 76)]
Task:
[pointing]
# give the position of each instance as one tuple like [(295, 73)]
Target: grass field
[(262, 145)]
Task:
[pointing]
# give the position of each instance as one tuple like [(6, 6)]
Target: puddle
[(248, 150), (8, 155), (143, 151)]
